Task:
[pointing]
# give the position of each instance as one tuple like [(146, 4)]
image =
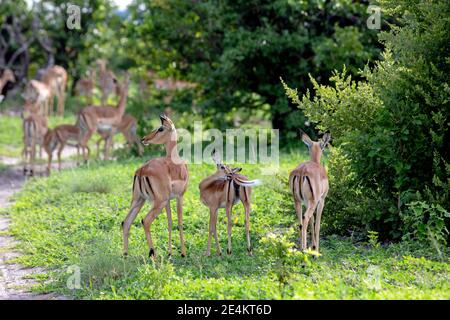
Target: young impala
[(159, 181), (309, 184), (59, 137), (223, 189)]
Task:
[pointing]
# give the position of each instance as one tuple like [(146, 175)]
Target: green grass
[(73, 219)]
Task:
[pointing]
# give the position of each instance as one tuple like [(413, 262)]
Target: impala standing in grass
[(159, 181), (223, 189), (309, 185)]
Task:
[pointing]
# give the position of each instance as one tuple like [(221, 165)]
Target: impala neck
[(171, 148), (122, 101), (315, 155)]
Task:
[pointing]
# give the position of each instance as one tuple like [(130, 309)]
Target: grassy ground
[(71, 221)]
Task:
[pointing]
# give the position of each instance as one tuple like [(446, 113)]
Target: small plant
[(373, 239), (285, 258), (426, 222)]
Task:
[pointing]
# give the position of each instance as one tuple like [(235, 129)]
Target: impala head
[(8, 75), (223, 169), (315, 148), (29, 108), (161, 135), (101, 63)]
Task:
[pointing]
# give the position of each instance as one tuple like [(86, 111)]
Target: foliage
[(426, 222), (236, 50), (391, 127)]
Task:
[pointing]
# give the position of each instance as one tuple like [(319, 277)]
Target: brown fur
[(58, 137), (34, 128), (127, 127), (309, 185), (159, 180), (91, 118), (223, 189)]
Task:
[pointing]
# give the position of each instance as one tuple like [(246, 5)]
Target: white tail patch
[(250, 183)]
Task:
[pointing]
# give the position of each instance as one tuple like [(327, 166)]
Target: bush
[(392, 128)]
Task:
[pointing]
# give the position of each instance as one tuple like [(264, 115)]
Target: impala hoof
[(183, 255), (250, 251), (125, 255), (229, 252), (151, 253)]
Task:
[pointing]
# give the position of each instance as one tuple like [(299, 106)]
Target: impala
[(309, 185), (34, 129), (52, 84), (107, 81), (127, 127), (59, 137), (223, 189), (103, 118), (159, 181), (85, 86)]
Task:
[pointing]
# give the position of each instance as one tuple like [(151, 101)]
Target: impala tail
[(246, 183)]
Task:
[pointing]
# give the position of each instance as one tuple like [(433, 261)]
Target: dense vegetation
[(382, 94), (391, 131)]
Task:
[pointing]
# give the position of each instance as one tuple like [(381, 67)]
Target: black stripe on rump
[(149, 185), (310, 187)]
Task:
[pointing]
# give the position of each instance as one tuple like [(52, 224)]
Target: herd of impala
[(162, 179)]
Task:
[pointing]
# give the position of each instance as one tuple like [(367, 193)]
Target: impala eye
[(160, 129), (222, 167)]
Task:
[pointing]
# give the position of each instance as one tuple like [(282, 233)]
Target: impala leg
[(180, 225), (98, 147), (247, 227), (147, 222), (32, 158), (60, 150), (169, 226), (308, 214), (298, 210), (319, 215), (49, 164), (216, 237), (212, 212), (229, 226), (313, 237), (136, 206)]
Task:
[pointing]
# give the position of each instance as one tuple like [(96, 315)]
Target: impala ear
[(305, 138), (325, 140), (166, 122), (216, 157)]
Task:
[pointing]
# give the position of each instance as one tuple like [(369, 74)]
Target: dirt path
[(14, 278)]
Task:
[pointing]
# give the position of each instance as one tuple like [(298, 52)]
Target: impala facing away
[(309, 184), (159, 181), (223, 189), (34, 129)]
